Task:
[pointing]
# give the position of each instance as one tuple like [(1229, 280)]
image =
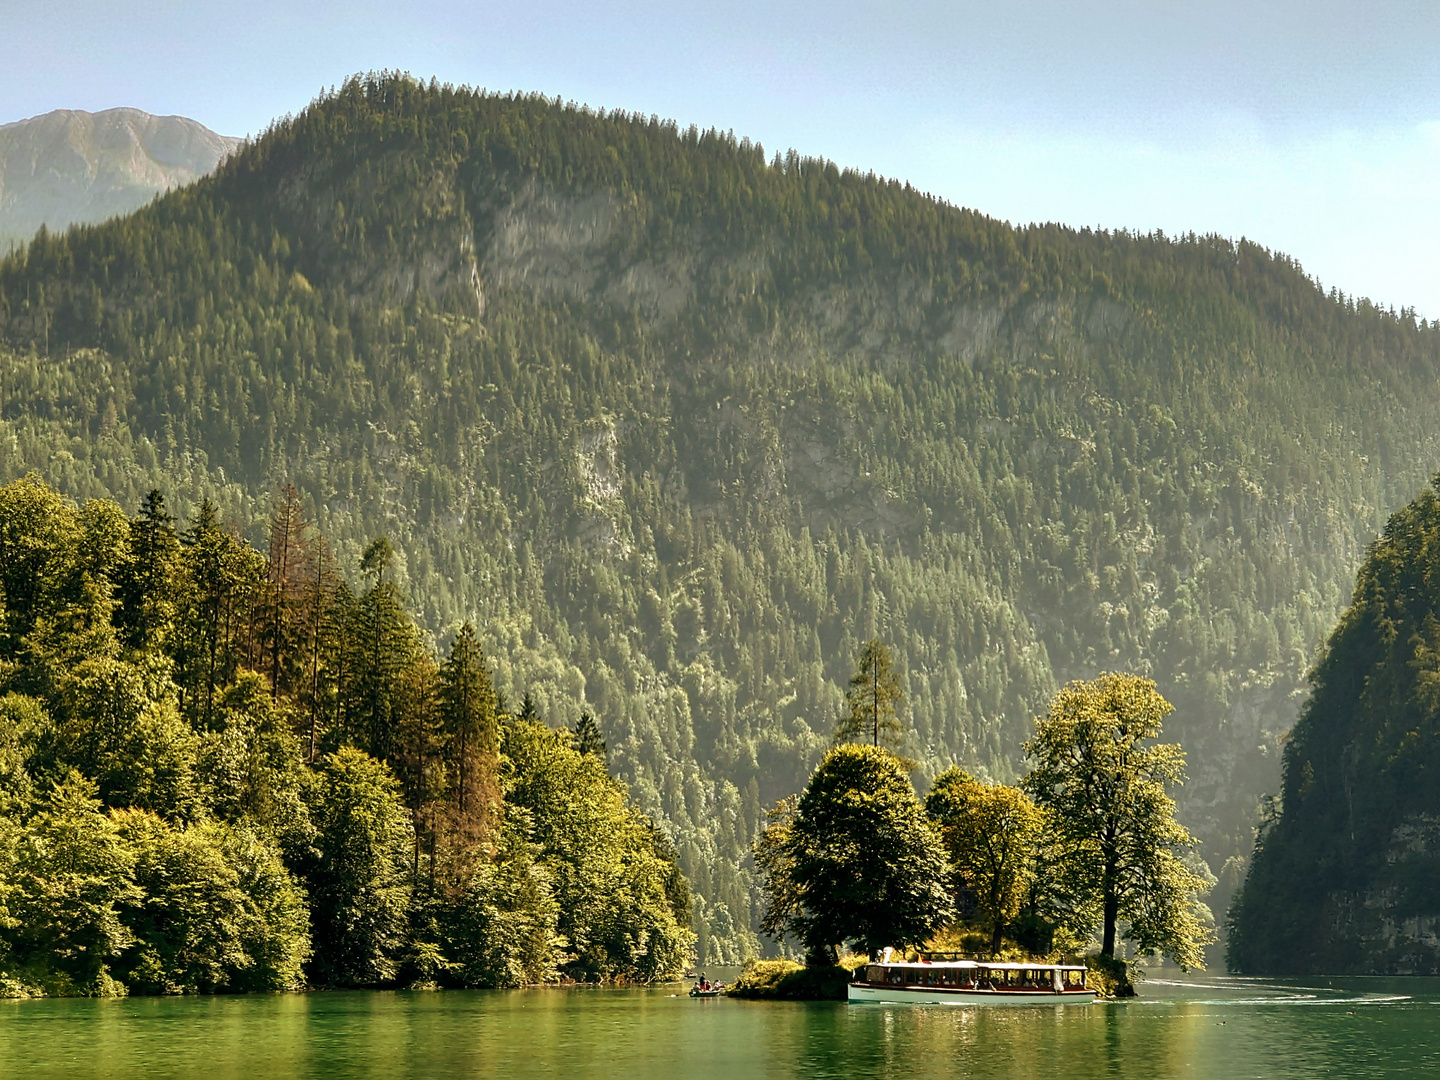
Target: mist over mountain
[(679, 424), (67, 167)]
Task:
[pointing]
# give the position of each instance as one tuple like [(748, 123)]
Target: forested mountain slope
[(1345, 874), (71, 166), (681, 426)]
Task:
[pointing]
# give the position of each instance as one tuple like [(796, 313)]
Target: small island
[(1022, 878)]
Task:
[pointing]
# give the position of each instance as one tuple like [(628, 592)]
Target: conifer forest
[(445, 529)]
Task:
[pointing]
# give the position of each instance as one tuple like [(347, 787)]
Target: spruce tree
[(469, 717), (148, 605), (873, 701), (289, 574), (586, 737)]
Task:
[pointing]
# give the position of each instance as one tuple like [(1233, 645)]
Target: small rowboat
[(714, 991)]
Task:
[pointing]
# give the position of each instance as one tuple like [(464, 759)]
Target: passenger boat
[(942, 981)]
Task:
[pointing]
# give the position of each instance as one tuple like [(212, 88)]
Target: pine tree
[(469, 714), (420, 737), (289, 579), (586, 737), (147, 598), (383, 642), (873, 700), (318, 619), (218, 571)]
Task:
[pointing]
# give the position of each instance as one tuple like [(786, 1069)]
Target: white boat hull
[(942, 995)]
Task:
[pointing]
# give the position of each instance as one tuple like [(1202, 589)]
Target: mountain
[(681, 424), (68, 167), (1344, 878)]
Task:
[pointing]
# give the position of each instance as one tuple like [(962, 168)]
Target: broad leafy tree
[(219, 912), (621, 908), (69, 881), (854, 859), (1122, 856), (360, 888), (991, 832)]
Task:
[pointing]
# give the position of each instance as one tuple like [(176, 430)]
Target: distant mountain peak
[(69, 166)]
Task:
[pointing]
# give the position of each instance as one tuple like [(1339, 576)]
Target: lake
[(1183, 1026)]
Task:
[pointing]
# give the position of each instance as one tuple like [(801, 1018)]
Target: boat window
[(875, 973), (896, 976)]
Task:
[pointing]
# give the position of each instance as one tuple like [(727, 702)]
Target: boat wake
[(1284, 995)]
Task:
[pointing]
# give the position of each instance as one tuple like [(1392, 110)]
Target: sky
[(1312, 128)]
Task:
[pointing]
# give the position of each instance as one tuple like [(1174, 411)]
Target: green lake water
[(1182, 1027)]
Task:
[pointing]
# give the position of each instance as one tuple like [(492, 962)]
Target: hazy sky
[(1310, 127)]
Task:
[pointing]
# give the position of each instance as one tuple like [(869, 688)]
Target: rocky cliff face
[(1345, 878), (70, 167)]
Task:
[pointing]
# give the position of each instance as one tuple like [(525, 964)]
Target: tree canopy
[(1121, 854), (220, 774), (1344, 867), (677, 424), (991, 833), (854, 858)]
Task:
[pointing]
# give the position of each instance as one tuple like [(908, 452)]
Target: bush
[(785, 980)]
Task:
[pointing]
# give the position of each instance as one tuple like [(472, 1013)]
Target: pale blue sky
[(1311, 127)]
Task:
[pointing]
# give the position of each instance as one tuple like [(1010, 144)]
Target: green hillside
[(680, 426), (1345, 873)]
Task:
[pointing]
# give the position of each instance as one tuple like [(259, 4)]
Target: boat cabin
[(1000, 977)]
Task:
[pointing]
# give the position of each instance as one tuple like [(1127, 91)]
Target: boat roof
[(995, 965)]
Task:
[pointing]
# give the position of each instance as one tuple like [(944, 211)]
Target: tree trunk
[(210, 672), (315, 647), (995, 936), (1112, 914), (875, 704)]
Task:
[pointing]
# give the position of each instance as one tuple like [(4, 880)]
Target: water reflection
[(1225, 1029)]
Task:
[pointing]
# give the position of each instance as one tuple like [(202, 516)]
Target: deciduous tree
[(360, 887), (1122, 855), (990, 831), (857, 859)]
